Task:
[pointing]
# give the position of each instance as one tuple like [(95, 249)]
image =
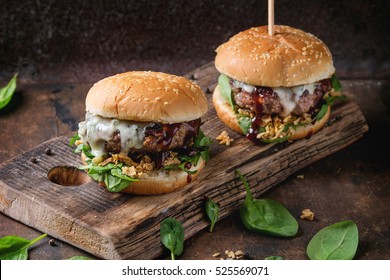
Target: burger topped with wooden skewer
[(275, 88)]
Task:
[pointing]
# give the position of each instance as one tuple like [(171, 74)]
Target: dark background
[(84, 41), (59, 48)]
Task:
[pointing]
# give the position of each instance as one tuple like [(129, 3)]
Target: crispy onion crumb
[(307, 215), (230, 255), (224, 138), (136, 169), (280, 127)]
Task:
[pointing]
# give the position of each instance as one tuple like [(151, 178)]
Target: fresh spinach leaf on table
[(172, 236), (7, 92), (274, 258), (266, 216), (79, 258), (212, 210), (335, 242), (16, 248)]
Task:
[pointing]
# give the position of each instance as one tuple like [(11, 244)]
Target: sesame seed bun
[(147, 96), (290, 57), (228, 116)]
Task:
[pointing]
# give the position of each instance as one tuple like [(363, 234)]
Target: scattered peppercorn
[(193, 77), (48, 152), (34, 160), (52, 242), (208, 90)]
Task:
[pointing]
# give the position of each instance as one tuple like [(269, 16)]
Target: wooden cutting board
[(121, 226)]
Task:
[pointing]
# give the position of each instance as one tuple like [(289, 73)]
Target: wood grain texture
[(119, 226)]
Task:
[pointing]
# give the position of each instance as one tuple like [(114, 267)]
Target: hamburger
[(275, 88), (141, 133)]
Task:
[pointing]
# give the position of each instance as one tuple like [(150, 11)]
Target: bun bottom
[(228, 116), (163, 181), (160, 181)]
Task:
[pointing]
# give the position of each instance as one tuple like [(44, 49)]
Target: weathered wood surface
[(117, 226)]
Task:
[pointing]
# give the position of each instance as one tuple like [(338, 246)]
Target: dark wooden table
[(353, 183)]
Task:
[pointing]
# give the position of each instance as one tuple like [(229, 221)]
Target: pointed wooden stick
[(271, 17)]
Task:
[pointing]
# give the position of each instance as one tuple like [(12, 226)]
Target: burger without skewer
[(275, 88), (142, 134)]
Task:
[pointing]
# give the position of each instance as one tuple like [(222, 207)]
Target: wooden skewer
[(271, 17)]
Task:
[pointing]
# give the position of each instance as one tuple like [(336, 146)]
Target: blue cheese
[(288, 96), (97, 130), (244, 86)]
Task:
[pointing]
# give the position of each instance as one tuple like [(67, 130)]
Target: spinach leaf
[(335, 242), (336, 85), (79, 149), (172, 236), (212, 212), (15, 247), (85, 148), (7, 92), (205, 155), (117, 172), (274, 258), (322, 112), (111, 174), (74, 139), (78, 258), (265, 215), (202, 143), (202, 140), (329, 102), (244, 122), (226, 90), (331, 99), (115, 184), (87, 151)]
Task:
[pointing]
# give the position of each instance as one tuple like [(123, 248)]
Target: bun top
[(147, 97), (291, 57)]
